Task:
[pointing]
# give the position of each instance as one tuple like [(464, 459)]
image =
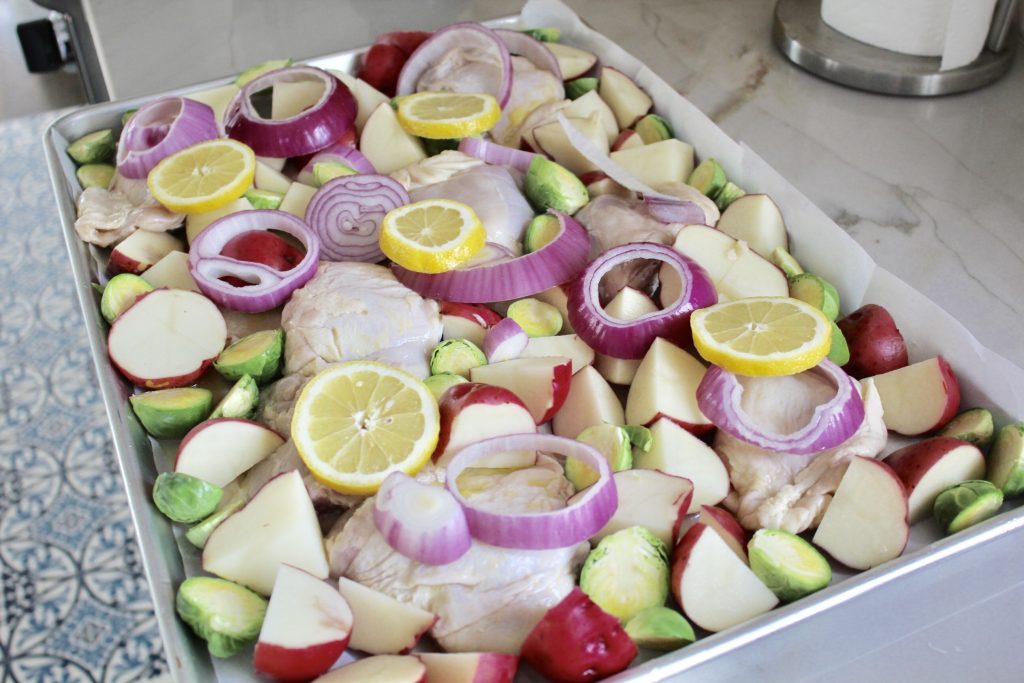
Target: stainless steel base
[(808, 42)]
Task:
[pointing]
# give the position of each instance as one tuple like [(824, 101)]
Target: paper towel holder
[(808, 42)]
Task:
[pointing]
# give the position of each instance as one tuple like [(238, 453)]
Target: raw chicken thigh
[(106, 216), (493, 192), (531, 88), (462, 69), (781, 490), (354, 311), (490, 598)]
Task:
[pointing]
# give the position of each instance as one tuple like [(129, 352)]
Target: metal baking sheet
[(761, 647)]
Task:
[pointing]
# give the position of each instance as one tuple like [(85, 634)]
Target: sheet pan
[(754, 648)]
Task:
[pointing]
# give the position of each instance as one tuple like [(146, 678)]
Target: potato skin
[(876, 345)]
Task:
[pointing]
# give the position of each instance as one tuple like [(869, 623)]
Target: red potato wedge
[(918, 398), (140, 250), (876, 344), (591, 401), (651, 499), (167, 338), (305, 630), (383, 625), (665, 385), (470, 667), (577, 641), (928, 467), (540, 383), (379, 669), (728, 527), (220, 450), (473, 412)]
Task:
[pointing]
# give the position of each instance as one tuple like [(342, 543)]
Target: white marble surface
[(932, 188)]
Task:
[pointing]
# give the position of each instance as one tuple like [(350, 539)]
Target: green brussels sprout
[(550, 186), (790, 566), (613, 443), (170, 413), (660, 628), (457, 356), (184, 498), (627, 572), (240, 401), (258, 355), (966, 504), (227, 616)]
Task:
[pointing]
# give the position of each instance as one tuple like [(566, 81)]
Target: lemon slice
[(357, 422), (448, 115), (762, 336), (431, 236), (203, 177)]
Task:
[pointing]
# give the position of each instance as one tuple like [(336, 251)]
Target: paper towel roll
[(952, 29)]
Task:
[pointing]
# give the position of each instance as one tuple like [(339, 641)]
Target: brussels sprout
[(728, 194), (227, 616), (328, 170), (434, 147), (790, 566), (200, 533), (708, 177), (457, 356), (260, 69), (660, 628), (264, 199), (537, 318), (170, 413), (258, 355), (974, 426), (652, 128), (838, 350), (550, 186), (613, 443), (640, 437), (539, 231), (546, 34), (1006, 461), (240, 401), (785, 261), (121, 292), (817, 291), (184, 498), (95, 175), (579, 87), (94, 148), (966, 504), (442, 382), (627, 572)]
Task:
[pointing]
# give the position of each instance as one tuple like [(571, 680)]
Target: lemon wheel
[(431, 236), (448, 115), (357, 422), (203, 177)]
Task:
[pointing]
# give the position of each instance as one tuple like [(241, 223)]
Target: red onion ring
[(336, 153), (159, 129), (272, 287), (720, 392), (463, 35), (346, 212), (589, 512), (556, 262), (308, 131), (532, 49), (679, 211), (493, 153), (421, 521), (631, 338)]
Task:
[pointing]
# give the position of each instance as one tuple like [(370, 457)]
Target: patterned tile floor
[(74, 605)]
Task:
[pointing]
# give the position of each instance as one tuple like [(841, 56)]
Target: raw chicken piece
[(612, 221), (106, 216), (352, 311), (493, 192), (277, 402), (784, 491), (531, 88), (435, 169), (462, 69), (490, 598), (285, 459)]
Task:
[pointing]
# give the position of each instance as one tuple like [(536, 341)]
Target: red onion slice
[(719, 397), (519, 43), (493, 153), (463, 35), (678, 211), (339, 154), (304, 133), (159, 129), (422, 521), (588, 513), (271, 287), (631, 338), (505, 341), (556, 262), (346, 212)]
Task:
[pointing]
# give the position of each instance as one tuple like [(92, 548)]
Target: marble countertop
[(932, 188)]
